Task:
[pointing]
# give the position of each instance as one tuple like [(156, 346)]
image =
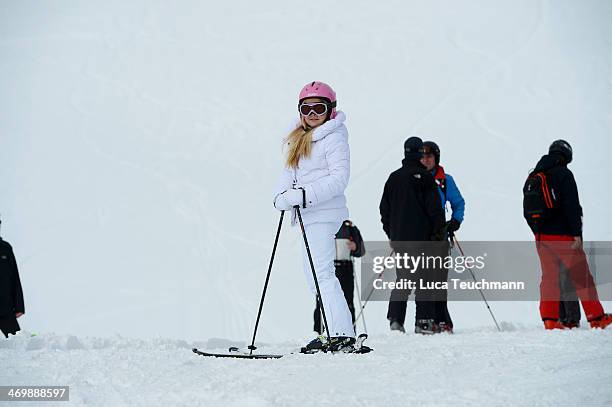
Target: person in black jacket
[(559, 241), (349, 244), (411, 211), (11, 294)]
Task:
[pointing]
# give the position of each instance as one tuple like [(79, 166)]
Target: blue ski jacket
[(449, 192)]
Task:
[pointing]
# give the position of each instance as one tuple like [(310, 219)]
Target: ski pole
[(474, 277), (367, 298), (314, 274), (263, 295), (365, 328), (371, 292)]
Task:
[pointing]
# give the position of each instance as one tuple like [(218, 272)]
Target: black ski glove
[(452, 226), (438, 236)]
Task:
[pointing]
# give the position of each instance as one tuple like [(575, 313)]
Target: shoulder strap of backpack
[(545, 189)]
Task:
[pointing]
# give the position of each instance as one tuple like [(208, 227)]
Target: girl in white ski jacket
[(314, 178)]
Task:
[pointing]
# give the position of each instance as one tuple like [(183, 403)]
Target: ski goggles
[(317, 108)]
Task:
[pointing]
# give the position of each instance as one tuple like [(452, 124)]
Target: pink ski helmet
[(319, 90)]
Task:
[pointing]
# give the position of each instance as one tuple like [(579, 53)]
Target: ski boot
[(397, 326), (341, 344), (550, 324), (426, 327), (570, 324), (316, 345), (601, 322), (445, 327)]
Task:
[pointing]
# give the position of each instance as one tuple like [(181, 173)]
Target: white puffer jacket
[(324, 175)]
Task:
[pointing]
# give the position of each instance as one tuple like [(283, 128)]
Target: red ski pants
[(555, 250)]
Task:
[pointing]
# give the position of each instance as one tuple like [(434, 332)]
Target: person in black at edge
[(11, 294), (411, 211), (349, 236)]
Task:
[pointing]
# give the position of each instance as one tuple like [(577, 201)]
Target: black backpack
[(539, 199)]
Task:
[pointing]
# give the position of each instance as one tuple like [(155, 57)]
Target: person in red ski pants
[(552, 209)]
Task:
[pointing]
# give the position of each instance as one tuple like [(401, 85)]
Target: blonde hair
[(299, 143)]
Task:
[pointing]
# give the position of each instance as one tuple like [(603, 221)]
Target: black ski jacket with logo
[(567, 218), (11, 295), (410, 208)]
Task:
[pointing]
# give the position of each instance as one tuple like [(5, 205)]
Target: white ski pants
[(321, 240)]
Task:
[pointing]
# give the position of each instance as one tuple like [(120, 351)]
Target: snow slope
[(140, 141), (520, 367)]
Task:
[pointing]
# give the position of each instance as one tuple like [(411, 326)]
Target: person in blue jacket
[(449, 192)]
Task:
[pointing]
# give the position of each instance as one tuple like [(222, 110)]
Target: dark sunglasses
[(318, 108)]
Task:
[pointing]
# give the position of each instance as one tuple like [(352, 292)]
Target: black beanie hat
[(413, 148)]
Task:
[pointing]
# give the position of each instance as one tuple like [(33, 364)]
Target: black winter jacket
[(567, 218), (410, 207), (11, 295)]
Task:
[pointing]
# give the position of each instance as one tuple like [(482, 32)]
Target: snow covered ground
[(523, 366)]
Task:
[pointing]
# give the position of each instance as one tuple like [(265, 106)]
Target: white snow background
[(140, 142)]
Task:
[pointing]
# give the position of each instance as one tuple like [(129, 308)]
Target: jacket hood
[(548, 162)]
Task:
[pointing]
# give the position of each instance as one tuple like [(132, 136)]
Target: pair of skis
[(358, 348)]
